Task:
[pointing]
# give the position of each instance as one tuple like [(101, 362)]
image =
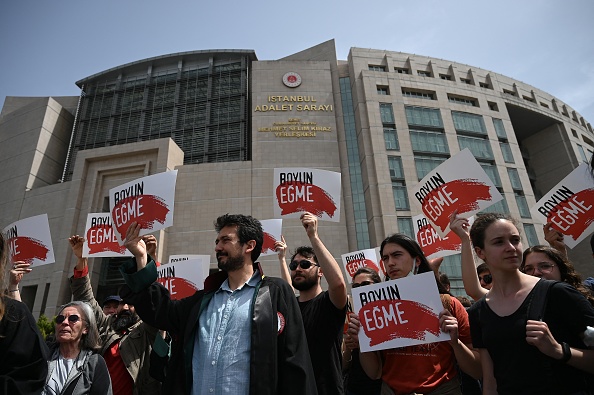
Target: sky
[(46, 46)]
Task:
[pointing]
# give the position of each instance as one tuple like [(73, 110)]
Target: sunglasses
[(305, 264), (361, 284), (72, 318), (487, 278)]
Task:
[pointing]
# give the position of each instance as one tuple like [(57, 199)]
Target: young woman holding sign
[(426, 368), (530, 342)]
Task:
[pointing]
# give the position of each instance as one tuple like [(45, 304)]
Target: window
[(484, 85), (480, 148), (419, 94), (506, 151), (383, 90), (582, 153), (531, 236), (499, 207), (574, 133), (545, 105), (467, 122), (492, 106), (466, 80), (425, 164), (466, 101), (401, 70), (423, 73), (499, 128), (445, 77), (405, 226), (395, 166), (377, 68), (386, 113), (400, 195), (428, 141), (528, 98), (514, 179), (422, 116), (391, 139), (492, 172), (522, 205), (508, 92)]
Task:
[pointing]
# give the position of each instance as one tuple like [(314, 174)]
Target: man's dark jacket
[(279, 360)]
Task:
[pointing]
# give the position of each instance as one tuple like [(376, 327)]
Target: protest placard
[(272, 233), (148, 201), (100, 238), (399, 313), (568, 206), (433, 245), (298, 190), (352, 261), (182, 278), (29, 240), (459, 183), (204, 261)]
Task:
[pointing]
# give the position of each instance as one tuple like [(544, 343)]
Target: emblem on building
[(292, 79)]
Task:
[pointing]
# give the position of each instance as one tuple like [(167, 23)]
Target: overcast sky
[(46, 46)]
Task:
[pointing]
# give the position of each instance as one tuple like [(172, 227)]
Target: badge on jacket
[(281, 322)]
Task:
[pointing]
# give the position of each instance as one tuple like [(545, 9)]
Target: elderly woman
[(74, 368)]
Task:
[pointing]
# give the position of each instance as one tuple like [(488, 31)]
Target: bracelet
[(13, 290), (566, 352)]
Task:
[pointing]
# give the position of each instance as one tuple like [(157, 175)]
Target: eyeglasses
[(72, 319), (487, 278), (305, 264), (543, 267), (361, 284)]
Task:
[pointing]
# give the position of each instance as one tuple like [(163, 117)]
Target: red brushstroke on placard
[(178, 288), (154, 209), (451, 241), (28, 249), (268, 244), (582, 221), (467, 194), (321, 201), (414, 322), (109, 245), (353, 266)]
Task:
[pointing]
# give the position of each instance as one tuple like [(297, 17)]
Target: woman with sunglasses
[(74, 367), (520, 353), (427, 368)]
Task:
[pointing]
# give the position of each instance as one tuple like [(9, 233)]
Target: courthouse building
[(226, 120)]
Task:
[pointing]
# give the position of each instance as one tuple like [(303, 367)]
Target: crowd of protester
[(527, 328)]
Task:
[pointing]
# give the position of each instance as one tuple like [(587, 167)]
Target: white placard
[(568, 206), (399, 313), (459, 183), (183, 278), (29, 240), (100, 238), (357, 259), (272, 233), (204, 259), (148, 201), (298, 190), (433, 245)]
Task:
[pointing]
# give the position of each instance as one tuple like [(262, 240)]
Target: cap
[(112, 298)]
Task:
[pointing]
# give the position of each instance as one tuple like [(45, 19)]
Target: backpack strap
[(539, 298)]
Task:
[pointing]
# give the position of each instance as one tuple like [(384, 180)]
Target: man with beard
[(323, 312), (243, 334), (125, 340)]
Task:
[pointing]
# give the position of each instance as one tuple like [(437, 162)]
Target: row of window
[(427, 73)]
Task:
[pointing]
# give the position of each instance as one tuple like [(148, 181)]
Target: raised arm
[(135, 244), (329, 266), (280, 246), (472, 285), (554, 238), (19, 269)]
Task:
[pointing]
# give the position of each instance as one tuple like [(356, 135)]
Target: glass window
[(382, 90), (423, 116), (387, 113), (395, 166), (467, 122), (492, 172), (463, 101), (480, 148), (531, 236), (522, 205), (425, 164), (428, 141), (423, 73), (506, 151), (514, 179), (582, 153), (499, 207), (391, 139), (499, 128), (400, 195), (405, 226), (445, 77), (418, 95), (401, 70), (377, 68)]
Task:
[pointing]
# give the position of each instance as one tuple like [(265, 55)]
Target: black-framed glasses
[(72, 318), (305, 264), (487, 278), (543, 267), (361, 284)]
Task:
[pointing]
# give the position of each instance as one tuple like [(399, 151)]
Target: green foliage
[(46, 327)]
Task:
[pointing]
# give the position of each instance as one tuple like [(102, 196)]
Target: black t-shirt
[(358, 382), (520, 368), (324, 325)]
